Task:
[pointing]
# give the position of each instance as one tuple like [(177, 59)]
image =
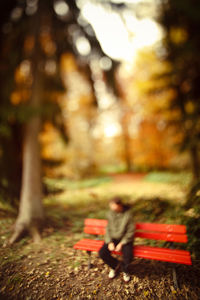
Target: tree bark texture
[(30, 217)]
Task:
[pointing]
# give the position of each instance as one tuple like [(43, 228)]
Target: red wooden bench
[(162, 232)]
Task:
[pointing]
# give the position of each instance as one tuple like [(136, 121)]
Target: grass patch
[(54, 185), (156, 210), (183, 178), (108, 169)]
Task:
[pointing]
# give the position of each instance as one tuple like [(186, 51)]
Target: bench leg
[(175, 278), (89, 260)]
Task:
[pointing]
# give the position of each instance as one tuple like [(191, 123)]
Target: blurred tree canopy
[(181, 20), (34, 35), (24, 23), (50, 83)]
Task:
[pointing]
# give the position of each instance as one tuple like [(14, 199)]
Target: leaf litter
[(53, 270)]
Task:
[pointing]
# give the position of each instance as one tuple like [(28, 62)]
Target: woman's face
[(115, 207)]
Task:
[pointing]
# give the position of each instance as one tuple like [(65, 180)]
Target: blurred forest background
[(97, 98), (91, 88)]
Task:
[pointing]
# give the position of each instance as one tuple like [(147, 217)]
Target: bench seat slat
[(181, 229), (95, 230), (96, 222), (170, 237), (163, 250), (89, 245), (162, 256), (148, 252)]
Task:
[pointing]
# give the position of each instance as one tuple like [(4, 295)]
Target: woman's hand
[(111, 246), (118, 247)]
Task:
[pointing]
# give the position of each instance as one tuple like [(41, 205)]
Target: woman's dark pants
[(127, 251)]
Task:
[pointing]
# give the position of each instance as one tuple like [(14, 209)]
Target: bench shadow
[(156, 270)]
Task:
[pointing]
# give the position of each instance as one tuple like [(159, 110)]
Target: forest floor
[(53, 270)]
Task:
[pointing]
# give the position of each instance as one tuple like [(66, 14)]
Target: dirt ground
[(53, 270)]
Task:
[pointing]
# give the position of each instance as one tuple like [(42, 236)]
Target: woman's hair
[(117, 200)]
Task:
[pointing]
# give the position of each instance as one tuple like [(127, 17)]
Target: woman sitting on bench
[(118, 237)]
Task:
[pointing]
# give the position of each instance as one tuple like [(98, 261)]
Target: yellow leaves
[(146, 293), (189, 107), (52, 145), (178, 35), (19, 76), (15, 98), (47, 274), (48, 45), (23, 73), (2, 289), (174, 292), (23, 79), (85, 100), (171, 94), (68, 63), (21, 96), (147, 94), (147, 78), (62, 246)]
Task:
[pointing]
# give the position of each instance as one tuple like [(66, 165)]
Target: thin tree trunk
[(195, 162), (124, 123)]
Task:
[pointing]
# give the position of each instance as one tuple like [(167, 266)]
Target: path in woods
[(131, 185)]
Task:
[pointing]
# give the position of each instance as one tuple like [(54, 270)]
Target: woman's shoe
[(112, 274), (126, 277)]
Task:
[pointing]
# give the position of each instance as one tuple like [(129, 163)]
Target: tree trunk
[(30, 211), (124, 123), (31, 215), (195, 162)]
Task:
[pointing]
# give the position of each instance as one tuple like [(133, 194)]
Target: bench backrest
[(164, 232)]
